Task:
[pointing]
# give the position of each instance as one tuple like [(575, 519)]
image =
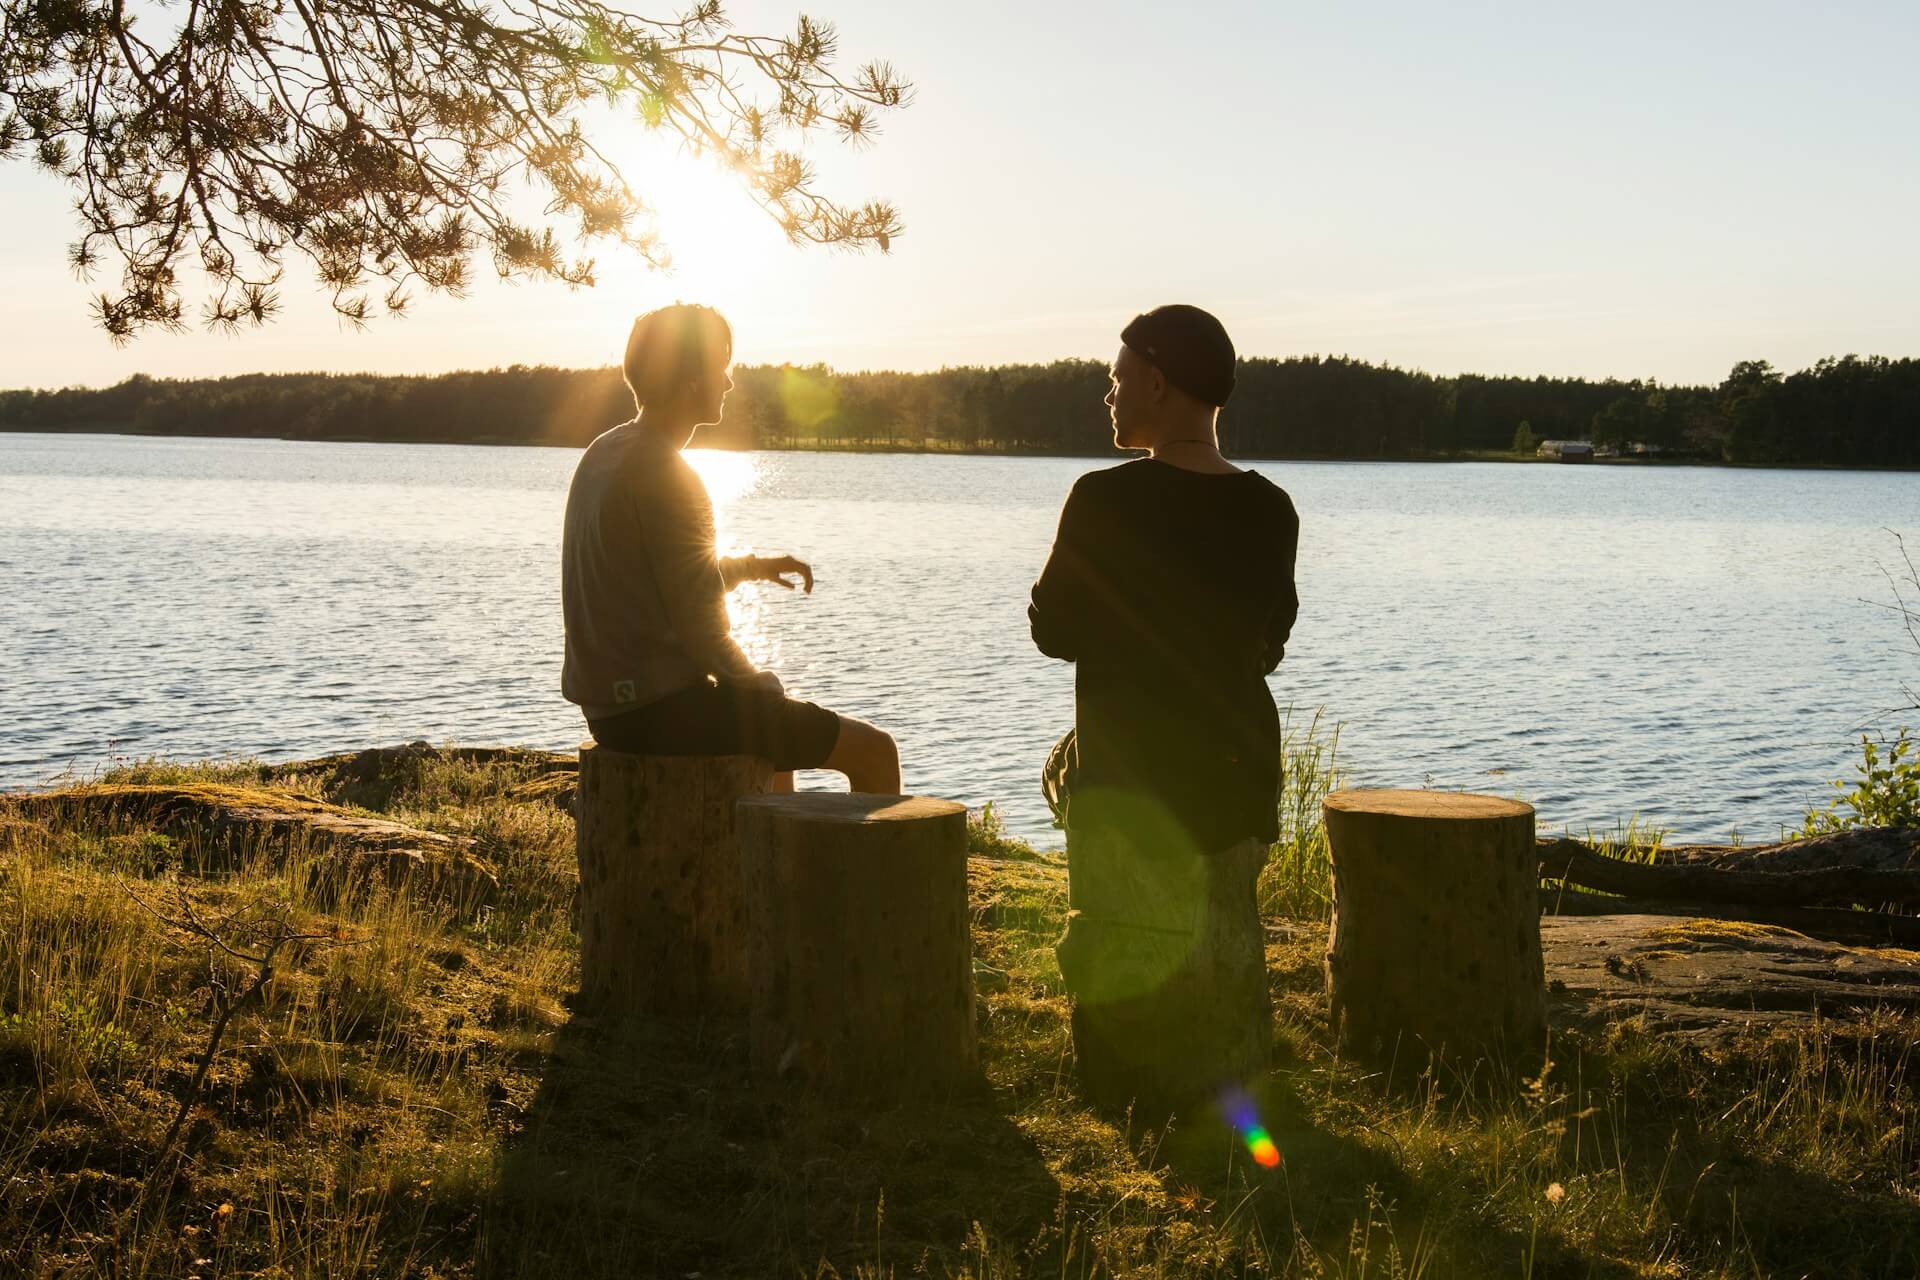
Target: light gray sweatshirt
[(642, 591)]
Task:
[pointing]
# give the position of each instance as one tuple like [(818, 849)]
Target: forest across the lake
[(1849, 411)]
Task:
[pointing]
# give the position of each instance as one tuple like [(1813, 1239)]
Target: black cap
[(1189, 346)]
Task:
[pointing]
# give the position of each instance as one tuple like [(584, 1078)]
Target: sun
[(725, 251)]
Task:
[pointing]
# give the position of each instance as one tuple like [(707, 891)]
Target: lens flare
[(1240, 1112), (1264, 1152)]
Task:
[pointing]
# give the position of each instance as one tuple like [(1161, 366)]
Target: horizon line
[(834, 371)]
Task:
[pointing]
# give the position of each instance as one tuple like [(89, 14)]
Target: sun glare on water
[(729, 476)]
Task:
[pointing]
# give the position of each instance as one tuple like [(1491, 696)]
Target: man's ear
[(1156, 384)]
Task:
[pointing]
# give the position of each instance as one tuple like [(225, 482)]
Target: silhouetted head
[(1174, 371), (676, 364)]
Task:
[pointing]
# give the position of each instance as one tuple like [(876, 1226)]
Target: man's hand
[(762, 680), (776, 569)]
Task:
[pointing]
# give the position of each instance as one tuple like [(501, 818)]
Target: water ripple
[(1685, 645)]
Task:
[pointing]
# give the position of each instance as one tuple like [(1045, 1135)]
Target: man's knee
[(873, 745), (860, 743)]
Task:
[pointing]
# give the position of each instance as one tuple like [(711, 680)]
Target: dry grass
[(411, 1097)]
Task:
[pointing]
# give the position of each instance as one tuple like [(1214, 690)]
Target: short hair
[(670, 346)]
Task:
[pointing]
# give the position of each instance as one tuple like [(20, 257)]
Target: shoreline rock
[(223, 827)]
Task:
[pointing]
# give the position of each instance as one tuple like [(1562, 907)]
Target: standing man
[(1170, 587)]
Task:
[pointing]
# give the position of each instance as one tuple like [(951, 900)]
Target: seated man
[(649, 656), (1170, 587)]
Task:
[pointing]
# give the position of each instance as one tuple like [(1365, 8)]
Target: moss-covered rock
[(378, 776), (221, 827)]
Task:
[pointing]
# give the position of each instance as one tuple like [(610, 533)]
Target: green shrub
[(988, 837), (1887, 794), (69, 1035)]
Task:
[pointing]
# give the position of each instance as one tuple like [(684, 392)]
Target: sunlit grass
[(412, 1097), (1297, 880)]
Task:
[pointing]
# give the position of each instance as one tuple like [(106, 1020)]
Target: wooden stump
[(1435, 945), (663, 926), (861, 963)]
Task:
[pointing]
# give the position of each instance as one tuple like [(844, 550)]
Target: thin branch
[(377, 137), (225, 1008)]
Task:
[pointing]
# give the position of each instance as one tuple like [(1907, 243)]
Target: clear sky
[(1631, 189)]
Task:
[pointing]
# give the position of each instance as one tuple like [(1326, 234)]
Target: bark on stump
[(1435, 944), (663, 920), (861, 962)]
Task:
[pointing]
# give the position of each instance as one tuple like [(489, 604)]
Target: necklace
[(1211, 444)]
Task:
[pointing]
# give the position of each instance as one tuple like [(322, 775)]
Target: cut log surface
[(663, 926), (1435, 942), (861, 960)]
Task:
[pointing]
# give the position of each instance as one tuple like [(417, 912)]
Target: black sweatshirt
[(1172, 591)]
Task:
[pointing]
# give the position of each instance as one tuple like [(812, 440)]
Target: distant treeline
[(1850, 411)]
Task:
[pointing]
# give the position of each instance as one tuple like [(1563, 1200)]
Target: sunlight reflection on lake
[(1692, 645), (729, 477)]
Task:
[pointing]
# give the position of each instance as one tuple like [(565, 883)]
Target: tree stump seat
[(663, 921), (859, 957), (1434, 949)]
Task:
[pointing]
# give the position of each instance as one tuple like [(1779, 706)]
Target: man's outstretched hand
[(777, 569)]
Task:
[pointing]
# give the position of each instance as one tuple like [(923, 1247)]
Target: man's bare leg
[(782, 783), (868, 756)]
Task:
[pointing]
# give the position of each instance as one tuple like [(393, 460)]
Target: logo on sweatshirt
[(622, 691)]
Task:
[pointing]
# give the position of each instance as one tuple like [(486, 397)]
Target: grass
[(1297, 880), (410, 1096)]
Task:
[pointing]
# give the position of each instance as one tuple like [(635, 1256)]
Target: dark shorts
[(725, 720)]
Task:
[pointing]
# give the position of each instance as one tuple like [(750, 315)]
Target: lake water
[(1695, 646)]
